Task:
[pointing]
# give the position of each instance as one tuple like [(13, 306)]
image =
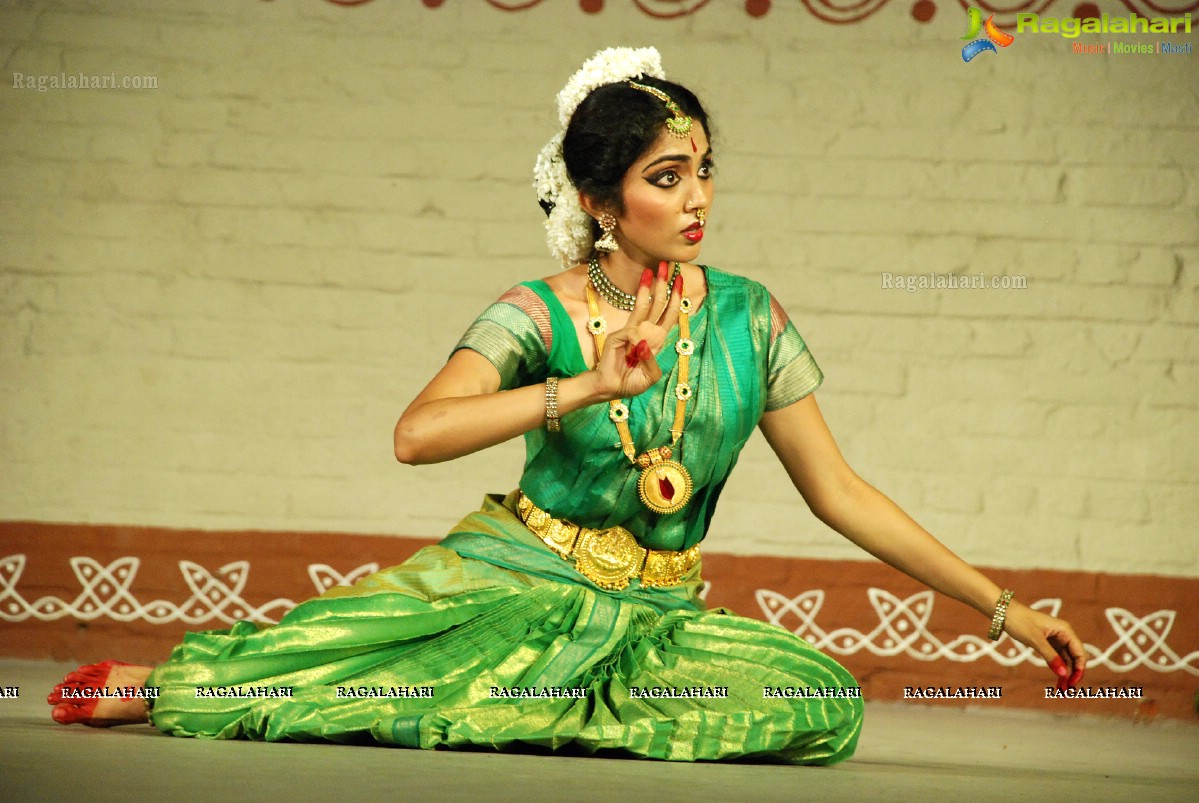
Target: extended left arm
[(851, 506)]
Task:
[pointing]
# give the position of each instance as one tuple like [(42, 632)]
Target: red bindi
[(693, 148)]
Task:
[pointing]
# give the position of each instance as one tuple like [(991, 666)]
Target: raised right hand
[(629, 366)]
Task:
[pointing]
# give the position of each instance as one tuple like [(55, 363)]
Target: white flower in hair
[(607, 67), (568, 227)]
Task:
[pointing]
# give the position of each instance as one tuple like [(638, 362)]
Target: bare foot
[(78, 698)]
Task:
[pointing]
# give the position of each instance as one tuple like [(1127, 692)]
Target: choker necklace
[(665, 485), (614, 295)]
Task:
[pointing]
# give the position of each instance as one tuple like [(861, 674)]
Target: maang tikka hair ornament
[(679, 124), (568, 228)]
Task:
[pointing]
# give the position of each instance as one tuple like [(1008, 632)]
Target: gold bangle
[(552, 422), (1000, 615)]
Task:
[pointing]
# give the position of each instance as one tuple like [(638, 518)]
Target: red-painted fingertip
[(643, 351), (662, 267), (631, 358), (1059, 667), (647, 277), (1076, 678), (678, 284)]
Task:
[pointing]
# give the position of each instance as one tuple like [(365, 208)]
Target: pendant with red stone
[(664, 485)]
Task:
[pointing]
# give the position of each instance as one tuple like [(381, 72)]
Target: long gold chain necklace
[(664, 484)]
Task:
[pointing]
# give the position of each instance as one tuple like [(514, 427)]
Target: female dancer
[(566, 613)]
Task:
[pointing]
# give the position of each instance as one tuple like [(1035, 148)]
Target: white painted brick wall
[(217, 296)]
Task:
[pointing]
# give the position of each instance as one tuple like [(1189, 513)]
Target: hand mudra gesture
[(628, 366)]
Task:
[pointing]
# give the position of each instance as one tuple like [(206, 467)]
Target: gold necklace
[(664, 484), (614, 295)]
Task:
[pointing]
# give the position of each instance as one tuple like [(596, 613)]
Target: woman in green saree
[(566, 614)]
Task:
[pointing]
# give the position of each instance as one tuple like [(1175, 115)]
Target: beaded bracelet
[(552, 422), (1000, 615)]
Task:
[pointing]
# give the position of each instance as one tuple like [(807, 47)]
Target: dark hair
[(612, 128)]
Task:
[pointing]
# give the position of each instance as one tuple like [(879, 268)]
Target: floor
[(906, 753)]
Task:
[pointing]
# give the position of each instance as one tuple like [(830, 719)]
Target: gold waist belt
[(611, 557)]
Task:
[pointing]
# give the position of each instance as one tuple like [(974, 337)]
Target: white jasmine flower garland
[(568, 227)]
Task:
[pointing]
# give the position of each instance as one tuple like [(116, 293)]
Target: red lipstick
[(694, 232)]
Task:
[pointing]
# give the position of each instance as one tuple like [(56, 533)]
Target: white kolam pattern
[(902, 627), (105, 593)]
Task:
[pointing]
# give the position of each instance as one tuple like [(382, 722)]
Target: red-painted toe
[(78, 706)]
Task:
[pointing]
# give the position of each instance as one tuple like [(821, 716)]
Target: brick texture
[(216, 296)]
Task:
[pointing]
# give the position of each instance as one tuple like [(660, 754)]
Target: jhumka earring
[(606, 243)]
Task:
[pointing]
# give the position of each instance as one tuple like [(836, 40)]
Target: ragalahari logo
[(994, 35)]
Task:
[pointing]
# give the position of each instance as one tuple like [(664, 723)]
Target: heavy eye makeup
[(670, 176)]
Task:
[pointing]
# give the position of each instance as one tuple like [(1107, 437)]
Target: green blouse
[(748, 359)]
